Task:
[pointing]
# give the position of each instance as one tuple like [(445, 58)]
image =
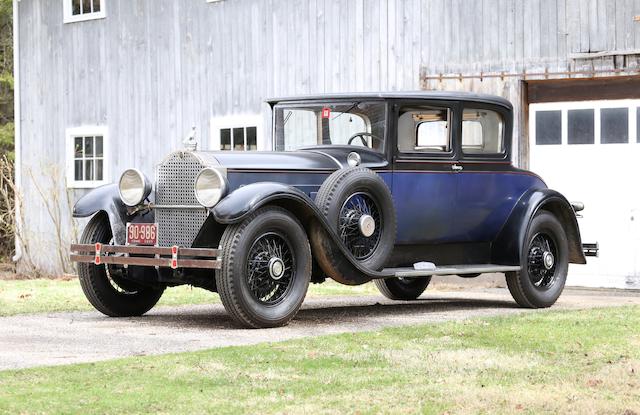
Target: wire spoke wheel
[(356, 216), (270, 268), (541, 261)]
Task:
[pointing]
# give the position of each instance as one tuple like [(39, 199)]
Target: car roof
[(418, 95)]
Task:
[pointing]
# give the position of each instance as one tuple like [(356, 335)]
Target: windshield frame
[(328, 102)]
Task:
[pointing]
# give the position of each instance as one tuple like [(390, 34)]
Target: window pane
[(99, 170), (238, 139), (614, 125), (96, 5), (88, 147), (225, 139), (99, 149), (86, 6), (482, 132), (88, 170), (580, 126), (77, 170), (423, 130), (77, 150), (252, 138), (75, 6), (548, 127)]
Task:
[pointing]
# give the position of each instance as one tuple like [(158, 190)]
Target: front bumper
[(147, 256)]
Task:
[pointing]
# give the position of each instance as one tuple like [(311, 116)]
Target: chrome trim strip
[(453, 270)]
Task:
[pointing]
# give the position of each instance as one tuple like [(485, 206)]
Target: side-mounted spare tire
[(358, 205)]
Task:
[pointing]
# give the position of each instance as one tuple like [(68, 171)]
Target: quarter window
[(87, 157), (580, 128), (79, 10), (424, 130), (482, 132)]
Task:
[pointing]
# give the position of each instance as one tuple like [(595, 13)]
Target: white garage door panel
[(602, 175)]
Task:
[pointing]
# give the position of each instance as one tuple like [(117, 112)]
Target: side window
[(424, 130), (482, 132)]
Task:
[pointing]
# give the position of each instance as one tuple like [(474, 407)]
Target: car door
[(424, 184), (488, 186)]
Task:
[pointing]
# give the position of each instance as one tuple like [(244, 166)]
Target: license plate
[(142, 234)]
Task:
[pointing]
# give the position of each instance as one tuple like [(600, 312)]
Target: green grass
[(546, 362), (43, 295)]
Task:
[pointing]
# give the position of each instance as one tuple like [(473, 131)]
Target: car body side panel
[(485, 200)]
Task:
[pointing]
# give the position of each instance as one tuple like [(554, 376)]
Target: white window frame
[(84, 131), (565, 107), (70, 18), (237, 121)]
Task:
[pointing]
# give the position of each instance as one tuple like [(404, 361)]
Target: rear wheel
[(402, 288), (266, 268), (544, 264), (104, 285)]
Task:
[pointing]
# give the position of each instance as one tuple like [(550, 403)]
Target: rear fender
[(508, 246), (105, 199), (236, 206)]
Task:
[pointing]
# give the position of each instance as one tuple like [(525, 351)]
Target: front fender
[(508, 246), (105, 199), (242, 202)]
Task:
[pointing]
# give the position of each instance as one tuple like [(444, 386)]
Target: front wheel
[(266, 268), (104, 285), (544, 264)]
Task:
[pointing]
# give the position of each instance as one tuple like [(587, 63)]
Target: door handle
[(456, 167)]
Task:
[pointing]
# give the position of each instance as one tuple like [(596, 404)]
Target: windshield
[(352, 123)]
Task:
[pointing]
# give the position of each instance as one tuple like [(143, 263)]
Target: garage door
[(590, 152)]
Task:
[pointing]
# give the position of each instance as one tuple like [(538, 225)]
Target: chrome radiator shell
[(177, 212)]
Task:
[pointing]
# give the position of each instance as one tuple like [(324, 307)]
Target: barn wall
[(153, 68)]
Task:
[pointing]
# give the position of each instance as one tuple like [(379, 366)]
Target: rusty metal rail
[(154, 256)]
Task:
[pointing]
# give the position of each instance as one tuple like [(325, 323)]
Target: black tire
[(343, 187), (536, 285), (244, 281), (109, 293), (402, 288)]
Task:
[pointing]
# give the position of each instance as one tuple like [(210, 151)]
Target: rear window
[(482, 132)]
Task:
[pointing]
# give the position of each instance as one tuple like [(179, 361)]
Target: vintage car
[(389, 187)]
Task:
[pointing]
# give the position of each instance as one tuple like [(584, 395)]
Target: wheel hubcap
[(360, 224), (276, 268), (367, 225), (542, 261)]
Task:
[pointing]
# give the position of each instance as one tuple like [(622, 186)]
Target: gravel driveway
[(73, 337)]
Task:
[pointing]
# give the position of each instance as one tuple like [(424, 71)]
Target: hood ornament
[(190, 143)]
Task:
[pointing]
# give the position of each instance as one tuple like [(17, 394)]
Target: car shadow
[(347, 311)]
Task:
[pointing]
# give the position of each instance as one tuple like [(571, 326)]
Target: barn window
[(236, 133), (614, 125), (580, 124), (79, 10), (86, 155), (548, 127)]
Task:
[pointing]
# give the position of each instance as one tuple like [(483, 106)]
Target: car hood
[(325, 159)]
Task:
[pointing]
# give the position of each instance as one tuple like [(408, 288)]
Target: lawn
[(545, 362), (46, 295)]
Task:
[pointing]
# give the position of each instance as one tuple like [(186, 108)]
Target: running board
[(451, 270)]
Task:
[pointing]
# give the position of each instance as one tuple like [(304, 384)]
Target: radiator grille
[(175, 179)]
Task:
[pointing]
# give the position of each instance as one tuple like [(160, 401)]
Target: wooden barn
[(103, 85)]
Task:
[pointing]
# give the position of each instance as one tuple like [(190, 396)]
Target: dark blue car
[(391, 187)]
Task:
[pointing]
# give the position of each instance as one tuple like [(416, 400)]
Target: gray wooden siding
[(153, 68)]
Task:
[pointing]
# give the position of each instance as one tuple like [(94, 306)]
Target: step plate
[(452, 270)]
